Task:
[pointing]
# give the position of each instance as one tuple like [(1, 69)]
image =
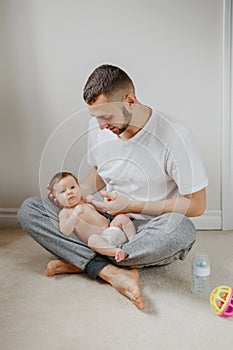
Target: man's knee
[(25, 210), (189, 226), (182, 225)]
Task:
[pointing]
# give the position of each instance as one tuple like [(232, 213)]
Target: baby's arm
[(125, 224), (68, 220)]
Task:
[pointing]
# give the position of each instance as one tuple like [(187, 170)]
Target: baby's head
[(65, 188)]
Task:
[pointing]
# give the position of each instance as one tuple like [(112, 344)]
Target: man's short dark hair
[(107, 80)]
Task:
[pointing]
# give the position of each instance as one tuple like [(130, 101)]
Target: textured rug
[(69, 312)]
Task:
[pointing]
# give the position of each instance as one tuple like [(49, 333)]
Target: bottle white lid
[(201, 266)]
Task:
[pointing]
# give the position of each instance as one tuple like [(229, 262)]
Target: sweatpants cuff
[(95, 265)]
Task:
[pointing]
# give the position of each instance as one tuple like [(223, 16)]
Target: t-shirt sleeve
[(184, 165)]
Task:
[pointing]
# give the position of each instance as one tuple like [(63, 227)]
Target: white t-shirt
[(159, 162)]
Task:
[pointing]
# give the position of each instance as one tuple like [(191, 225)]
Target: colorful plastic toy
[(221, 301)]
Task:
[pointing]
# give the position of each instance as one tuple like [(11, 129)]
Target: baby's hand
[(79, 209), (89, 198)]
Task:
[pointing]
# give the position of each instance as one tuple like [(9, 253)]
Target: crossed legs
[(125, 282), (157, 242)]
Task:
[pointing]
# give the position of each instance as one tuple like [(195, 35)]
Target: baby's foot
[(120, 255)]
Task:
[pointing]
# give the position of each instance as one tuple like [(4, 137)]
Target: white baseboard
[(8, 217), (210, 220)]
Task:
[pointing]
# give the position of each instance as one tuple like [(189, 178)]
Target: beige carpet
[(74, 312)]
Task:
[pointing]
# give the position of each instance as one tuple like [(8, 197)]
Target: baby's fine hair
[(58, 177)]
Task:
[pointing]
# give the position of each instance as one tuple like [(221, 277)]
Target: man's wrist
[(136, 207), (148, 208)]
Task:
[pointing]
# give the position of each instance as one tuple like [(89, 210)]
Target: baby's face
[(67, 192)]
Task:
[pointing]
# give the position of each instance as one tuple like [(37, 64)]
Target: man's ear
[(130, 99)]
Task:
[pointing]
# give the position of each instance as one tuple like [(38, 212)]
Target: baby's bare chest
[(90, 222)]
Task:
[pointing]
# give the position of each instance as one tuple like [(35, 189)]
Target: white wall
[(171, 48)]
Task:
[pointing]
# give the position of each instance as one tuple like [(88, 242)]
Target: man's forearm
[(92, 183), (182, 205), (190, 205)]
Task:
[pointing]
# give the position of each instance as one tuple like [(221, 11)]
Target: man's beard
[(128, 117)]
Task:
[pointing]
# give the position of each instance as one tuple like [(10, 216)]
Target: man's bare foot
[(120, 254), (56, 267), (125, 282)]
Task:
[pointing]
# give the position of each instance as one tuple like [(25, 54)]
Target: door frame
[(227, 119)]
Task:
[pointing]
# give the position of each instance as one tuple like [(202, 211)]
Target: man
[(151, 170)]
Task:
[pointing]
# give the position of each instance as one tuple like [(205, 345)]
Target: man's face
[(113, 116)]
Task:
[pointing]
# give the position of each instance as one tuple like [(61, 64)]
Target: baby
[(82, 218)]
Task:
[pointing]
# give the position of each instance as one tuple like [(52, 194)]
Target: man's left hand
[(113, 203)]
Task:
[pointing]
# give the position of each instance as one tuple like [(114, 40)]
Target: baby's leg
[(125, 224), (100, 245)]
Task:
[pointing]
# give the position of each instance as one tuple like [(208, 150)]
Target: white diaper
[(114, 235)]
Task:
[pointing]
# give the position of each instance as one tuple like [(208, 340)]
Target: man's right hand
[(51, 197)]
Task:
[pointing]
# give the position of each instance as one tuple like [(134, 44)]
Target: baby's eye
[(63, 191), (72, 187)]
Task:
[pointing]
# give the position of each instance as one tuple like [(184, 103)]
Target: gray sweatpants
[(158, 241)]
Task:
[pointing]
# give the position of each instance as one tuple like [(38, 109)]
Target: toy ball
[(221, 301)]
